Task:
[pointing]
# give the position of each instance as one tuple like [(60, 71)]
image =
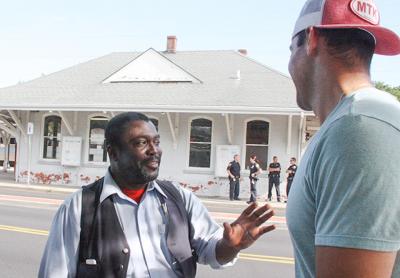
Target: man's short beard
[(146, 177)]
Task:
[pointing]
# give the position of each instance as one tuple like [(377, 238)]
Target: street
[(25, 219)]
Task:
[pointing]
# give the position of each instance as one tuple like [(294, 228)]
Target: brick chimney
[(243, 51), (171, 44)]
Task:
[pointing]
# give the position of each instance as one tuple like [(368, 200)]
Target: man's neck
[(336, 85), (122, 183)]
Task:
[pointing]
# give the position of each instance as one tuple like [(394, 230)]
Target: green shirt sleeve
[(356, 179)]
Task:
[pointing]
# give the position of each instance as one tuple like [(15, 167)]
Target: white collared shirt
[(144, 230)]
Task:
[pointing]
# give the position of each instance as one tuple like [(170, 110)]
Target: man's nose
[(153, 149)]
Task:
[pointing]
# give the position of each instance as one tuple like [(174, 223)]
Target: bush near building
[(385, 87)]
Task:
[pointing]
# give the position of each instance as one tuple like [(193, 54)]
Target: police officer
[(255, 170), (233, 171), (291, 171), (274, 175)]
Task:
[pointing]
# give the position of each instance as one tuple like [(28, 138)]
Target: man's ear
[(312, 41), (112, 153)]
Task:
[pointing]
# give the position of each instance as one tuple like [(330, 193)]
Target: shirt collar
[(110, 187)]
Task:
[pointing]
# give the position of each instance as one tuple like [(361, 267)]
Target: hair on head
[(117, 125)]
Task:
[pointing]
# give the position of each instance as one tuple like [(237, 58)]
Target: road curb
[(39, 187), (71, 189)]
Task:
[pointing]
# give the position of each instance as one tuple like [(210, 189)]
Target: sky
[(40, 37)]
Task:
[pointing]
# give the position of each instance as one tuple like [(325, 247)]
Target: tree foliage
[(385, 87)]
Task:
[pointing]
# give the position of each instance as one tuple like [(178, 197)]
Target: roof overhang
[(168, 108)]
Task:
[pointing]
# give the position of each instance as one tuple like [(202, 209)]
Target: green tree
[(385, 87)]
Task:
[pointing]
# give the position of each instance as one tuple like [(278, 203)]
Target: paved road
[(25, 218)]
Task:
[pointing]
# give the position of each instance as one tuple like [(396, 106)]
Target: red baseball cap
[(340, 14)]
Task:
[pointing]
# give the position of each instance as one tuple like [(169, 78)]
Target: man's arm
[(333, 262), (357, 236), (243, 232), (228, 171), (290, 170), (259, 171), (218, 247), (274, 169), (60, 256), (230, 175)]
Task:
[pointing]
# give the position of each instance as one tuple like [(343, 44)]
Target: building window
[(257, 136), (155, 122), (97, 147), (52, 137), (200, 143)]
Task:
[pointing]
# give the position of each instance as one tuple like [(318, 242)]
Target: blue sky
[(41, 37)]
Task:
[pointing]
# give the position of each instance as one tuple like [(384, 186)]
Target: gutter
[(167, 108)]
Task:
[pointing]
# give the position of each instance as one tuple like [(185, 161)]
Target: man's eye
[(157, 142), (141, 143)]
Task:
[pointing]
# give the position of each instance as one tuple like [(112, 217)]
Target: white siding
[(174, 164)]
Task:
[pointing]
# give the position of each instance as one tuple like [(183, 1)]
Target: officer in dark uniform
[(274, 175), (233, 171), (291, 172), (255, 170)]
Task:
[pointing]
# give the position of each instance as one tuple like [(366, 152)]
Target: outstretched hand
[(247, 228), (244, 231)]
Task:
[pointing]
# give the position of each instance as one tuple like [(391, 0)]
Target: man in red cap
[(344, 209)]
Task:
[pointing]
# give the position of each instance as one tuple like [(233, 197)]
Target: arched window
[(155, 122), (257, 136), (200, 143), (52, 137), (97, 148)]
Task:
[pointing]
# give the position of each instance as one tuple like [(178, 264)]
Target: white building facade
[(207, 106)]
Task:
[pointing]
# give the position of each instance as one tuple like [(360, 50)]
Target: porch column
[(75, 121), (229, 128), (66, 122), (176, 127), (289, 136), (3, 137), (17, 122), (7, 128), (6, 142), (173, 127), (301, 135)]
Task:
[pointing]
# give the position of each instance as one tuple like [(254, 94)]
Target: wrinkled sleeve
[(358, 185), (206, 232), (61, 252)]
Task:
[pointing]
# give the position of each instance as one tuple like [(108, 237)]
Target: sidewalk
[(73, 188), (41, 187)]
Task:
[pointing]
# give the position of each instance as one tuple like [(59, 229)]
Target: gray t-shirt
[(346, 192)]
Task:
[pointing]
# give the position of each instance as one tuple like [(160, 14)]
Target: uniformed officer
[(274, 175), (255, 170), (233, 171), (291, 171)]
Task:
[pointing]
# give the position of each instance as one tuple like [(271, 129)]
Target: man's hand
[(244, 231)]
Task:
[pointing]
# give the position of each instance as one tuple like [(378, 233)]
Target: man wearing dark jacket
[(233, 171), (132, 229)]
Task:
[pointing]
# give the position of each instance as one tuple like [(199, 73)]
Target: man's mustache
[(155, 158)]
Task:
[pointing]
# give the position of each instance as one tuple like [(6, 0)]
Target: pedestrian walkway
[(42, 187), (8, 175), (73, 188)]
